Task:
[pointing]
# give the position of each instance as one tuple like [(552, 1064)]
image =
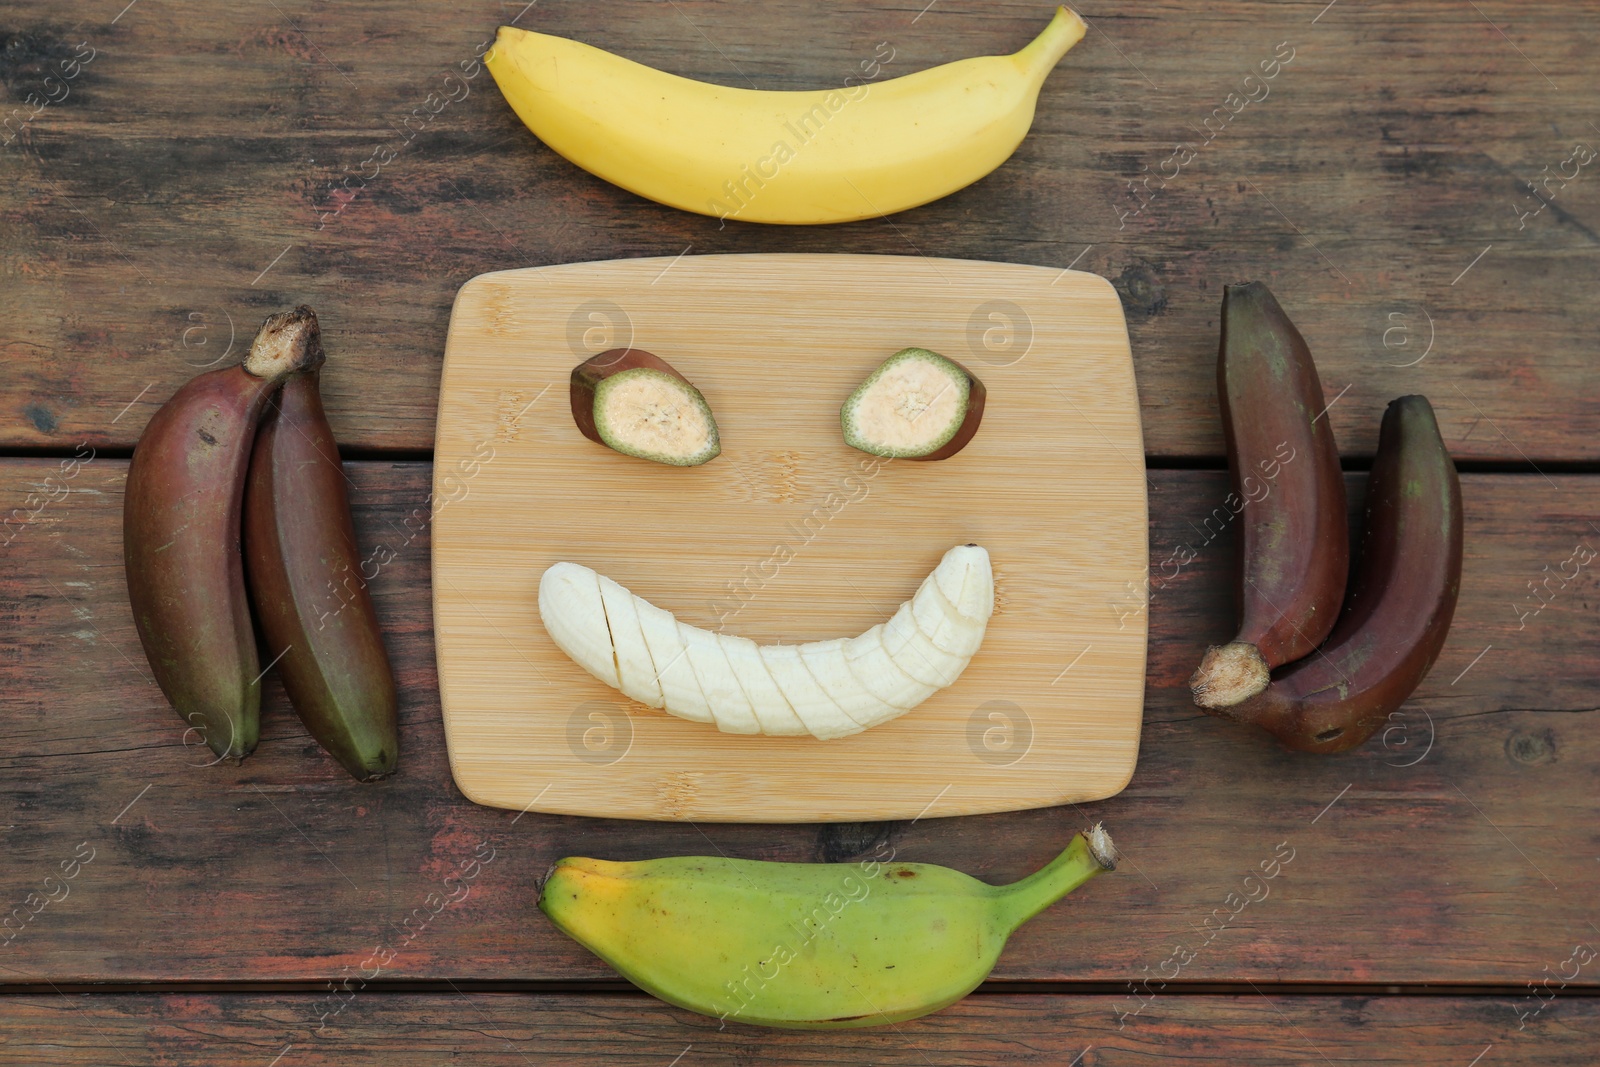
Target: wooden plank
[(513, 1030), (792, 536), (1457, 847), (211, 165)]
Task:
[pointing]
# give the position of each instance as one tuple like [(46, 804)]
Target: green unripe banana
[(804, 945)]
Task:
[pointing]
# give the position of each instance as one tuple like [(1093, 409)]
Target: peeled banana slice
[(827, 689), (729, 706), (874, 669), (940, 622), (916, 654), (772, 709), (574, 614), (808, 699), (831, 668), (680, 690), (636, 672)]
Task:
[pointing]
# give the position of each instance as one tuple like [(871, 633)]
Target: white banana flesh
[(808, 699), (884, 678), (773, 710), (679, 688), (827, 689), (730, 708), (636, 671), (574, 614)]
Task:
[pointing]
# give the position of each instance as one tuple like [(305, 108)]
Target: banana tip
[(543, 881), (1228, 675), (1045, 51), (287, 342), (503, 37), (1069, 20), (1101, 848)]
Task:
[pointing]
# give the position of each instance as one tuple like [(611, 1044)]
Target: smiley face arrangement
[(917, 405)]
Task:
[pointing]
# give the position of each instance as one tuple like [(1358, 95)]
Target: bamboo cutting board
[(790, 535)]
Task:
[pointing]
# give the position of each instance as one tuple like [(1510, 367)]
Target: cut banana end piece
[(966, 581), (828, 689), (575, 617)]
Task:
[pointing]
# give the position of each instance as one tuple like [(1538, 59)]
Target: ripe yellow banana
[(805, 945), (781, 157)]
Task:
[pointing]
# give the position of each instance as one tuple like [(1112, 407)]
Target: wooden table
[(210, 163)]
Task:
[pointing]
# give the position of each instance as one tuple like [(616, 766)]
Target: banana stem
[(1085, 857), (1041, 55), (287, 342)]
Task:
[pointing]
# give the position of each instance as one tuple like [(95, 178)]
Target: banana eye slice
[(637, 404), (916, 405)]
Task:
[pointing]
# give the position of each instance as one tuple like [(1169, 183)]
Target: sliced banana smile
[(828, 689)]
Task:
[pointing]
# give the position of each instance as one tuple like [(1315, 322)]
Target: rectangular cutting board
[(790, 535)]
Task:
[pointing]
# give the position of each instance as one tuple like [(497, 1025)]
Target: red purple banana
[(309, 592), (180, 531), (1400, 604), (201, 477), (1288, 491)]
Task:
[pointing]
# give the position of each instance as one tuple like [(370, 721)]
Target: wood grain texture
[(511, 1030), (790, 535), (213, 164), (1457, 847)]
